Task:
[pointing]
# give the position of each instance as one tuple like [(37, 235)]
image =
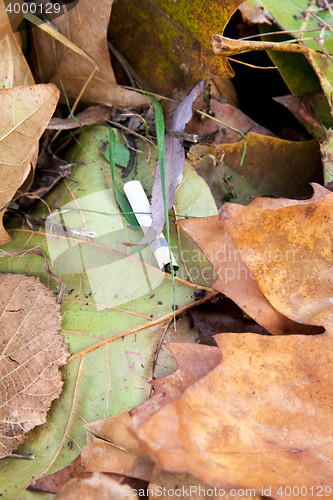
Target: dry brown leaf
[(86, 26), (258, 420), (234, 263), (254, 13), (25, 112), (97, 487), (14, 69), (289, 252), (118, 449), (54, 482), (32, 351), (184, 486), (90, 116), (272, 166)]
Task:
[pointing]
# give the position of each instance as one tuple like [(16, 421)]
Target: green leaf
[(114, 310)]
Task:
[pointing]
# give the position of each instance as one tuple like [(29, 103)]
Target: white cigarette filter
[(139, 202)]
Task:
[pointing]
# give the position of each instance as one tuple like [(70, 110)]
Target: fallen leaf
[(97, 487), (117, 449), (225, 317), (25, 112), (233, 267), (90, 35), (271, 166), (186, 486), (253, 12), (258, 420), (14, 69), (167, 43), (90, 116), (288, 251), (53, 483), (174, 165), (32, 352), (311, 110)]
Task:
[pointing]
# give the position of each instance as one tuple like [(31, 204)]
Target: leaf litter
[(115, 323)]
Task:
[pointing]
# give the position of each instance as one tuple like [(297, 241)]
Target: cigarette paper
[(139, 202)]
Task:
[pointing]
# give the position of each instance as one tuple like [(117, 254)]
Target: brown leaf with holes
[(243, 239), (260, 419), (118, 450), (86, 26), (32, 351)]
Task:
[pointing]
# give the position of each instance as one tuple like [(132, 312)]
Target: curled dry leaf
[(118, 449), (274, 237), (32, 351), (97, 487), (25, 112), (90, 35), (259, 419)]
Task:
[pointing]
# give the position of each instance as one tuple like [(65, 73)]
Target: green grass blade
[(121, 199)]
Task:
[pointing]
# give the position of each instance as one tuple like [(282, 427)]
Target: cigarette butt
[(139, 202)]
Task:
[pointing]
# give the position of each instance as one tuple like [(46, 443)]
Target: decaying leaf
[(271, 166), (25, 112), (168, 43), (174, 165), (97, 487), (32, 351), (311, 110), (235, 264), (261, 415), (54, 60)]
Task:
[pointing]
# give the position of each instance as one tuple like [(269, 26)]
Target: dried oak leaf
[(259, 419), (31, 352), (118, 450), (239, 250), (86, 26)]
